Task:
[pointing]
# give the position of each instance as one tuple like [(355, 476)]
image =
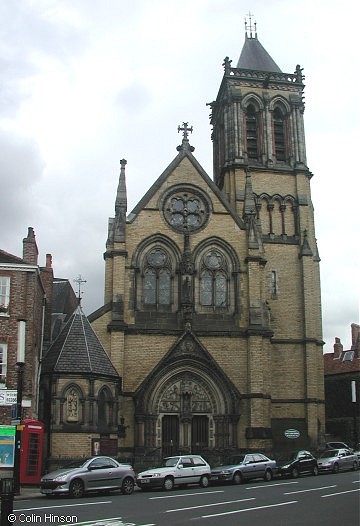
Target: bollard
[(7, 500)]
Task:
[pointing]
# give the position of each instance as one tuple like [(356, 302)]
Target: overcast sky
[(85, 83)]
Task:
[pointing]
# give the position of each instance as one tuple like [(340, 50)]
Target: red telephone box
[(31, 451)]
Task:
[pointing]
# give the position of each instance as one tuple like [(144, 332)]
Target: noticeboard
[(7, 446)]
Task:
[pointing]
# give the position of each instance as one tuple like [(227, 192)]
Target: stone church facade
[(212, 310)]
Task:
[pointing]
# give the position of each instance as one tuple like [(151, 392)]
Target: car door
[(103, 473), (347, 459), (185, 471), (248, 467), (200, 468), (259, 466), (305, 462)]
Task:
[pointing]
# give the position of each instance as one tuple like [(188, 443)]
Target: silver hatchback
[(94, 474)]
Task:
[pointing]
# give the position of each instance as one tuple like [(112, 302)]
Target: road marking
[(186, 495), (114, 521), (340, 493), (207, 505), (272, 485), (313, 489), (249, 509), (66, 505)]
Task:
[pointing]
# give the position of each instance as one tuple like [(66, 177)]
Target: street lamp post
[(354, 404), (20, 362)]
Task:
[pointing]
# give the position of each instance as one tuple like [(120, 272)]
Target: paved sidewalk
[(28, 492)]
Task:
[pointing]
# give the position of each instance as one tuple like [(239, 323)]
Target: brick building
[(212, 310), (28, 292), (342, 369), (25, 293)]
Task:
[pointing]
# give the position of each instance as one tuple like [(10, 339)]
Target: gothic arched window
[(279, 134), (252, 132), (157, 278), (104, 414), (213, 280), (72, 405)]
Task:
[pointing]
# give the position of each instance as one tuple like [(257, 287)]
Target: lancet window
[(214, 280), (157, 278), (279, 135), (252, 138)]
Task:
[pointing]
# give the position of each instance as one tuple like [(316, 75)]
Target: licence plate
[(214, 477), (144, 481), (47, 490)]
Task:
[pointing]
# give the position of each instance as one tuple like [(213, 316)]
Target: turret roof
[(78, 350), (254, 56)]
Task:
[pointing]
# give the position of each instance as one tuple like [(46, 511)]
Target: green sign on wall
[(7, 446)]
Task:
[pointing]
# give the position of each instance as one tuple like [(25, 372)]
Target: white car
[(174, 471)]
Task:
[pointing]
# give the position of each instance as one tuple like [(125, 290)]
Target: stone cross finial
[(185, 129)]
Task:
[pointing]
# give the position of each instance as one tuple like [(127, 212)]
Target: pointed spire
[(253, 55), (120, 205), (121, 196), (249, 202), (185, 145), (305, 247), (249, 214)]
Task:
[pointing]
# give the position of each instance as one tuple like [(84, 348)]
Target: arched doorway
[(187, 404)]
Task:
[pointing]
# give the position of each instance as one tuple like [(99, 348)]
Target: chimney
[(355, 339), (47, 278), (338, 348), (30, 249)]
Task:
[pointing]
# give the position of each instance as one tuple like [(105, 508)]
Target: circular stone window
[(186, 209)]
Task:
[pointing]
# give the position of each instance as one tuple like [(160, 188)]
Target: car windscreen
[(170, 462), (235, 460), (329, 453), (75, 464)]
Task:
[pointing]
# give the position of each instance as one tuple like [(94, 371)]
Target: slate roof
[(339, 366), (5, 257), (254, 56), (78, 350)]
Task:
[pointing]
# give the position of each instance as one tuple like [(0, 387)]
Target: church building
[(212, 308)]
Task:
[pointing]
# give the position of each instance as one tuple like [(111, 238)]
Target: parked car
[(336, 460), (247, 466), (337, 445), (94, 474), (297, 463), (177, 470)]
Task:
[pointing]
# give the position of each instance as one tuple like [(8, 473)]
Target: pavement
[(28, 492)]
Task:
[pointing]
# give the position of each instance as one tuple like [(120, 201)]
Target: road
[(326, 500)]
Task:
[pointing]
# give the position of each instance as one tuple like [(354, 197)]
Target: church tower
[(212, 313), (261, 169)]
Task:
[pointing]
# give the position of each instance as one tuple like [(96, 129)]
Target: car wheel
[(237, 478), (335, 468), (315, 471), (204, 481), (127, 486), (294, 473), (268, 475), (168, 483), (355, 465), (76, 489)]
